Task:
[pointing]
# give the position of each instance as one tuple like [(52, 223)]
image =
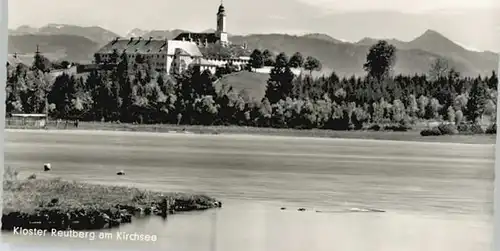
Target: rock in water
[(46, 167), (121, 172)]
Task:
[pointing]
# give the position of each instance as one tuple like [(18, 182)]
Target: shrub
[(463, 128), (448, 129), (375, 127), (396, 128), (431, 132), (401, 127), (492, 129), (477, 129), (470, 129)]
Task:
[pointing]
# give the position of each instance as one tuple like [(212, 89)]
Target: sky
[(403, 5), (472, 23)]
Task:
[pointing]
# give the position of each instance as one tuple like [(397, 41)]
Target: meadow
[(410, 135)]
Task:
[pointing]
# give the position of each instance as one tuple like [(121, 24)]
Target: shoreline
[(232, 131), (53, 203)]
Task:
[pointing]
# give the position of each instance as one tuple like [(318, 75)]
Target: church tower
[(221, 25)]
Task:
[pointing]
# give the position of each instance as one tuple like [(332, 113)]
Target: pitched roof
[(198, 37), (135, 45), (189, 47), (150, 46)]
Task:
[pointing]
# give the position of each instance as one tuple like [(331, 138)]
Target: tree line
[(259, 59), (139, 94)]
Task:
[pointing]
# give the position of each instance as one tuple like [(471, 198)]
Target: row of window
[(106, 56), (148, 56)]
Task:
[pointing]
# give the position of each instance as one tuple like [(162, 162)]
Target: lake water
[(436, 196)]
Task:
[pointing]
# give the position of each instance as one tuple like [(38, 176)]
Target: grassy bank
[(411, 135), (62, 205)]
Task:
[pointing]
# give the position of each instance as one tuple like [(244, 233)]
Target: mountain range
[(76, 43)]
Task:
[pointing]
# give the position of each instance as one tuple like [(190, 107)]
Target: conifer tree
[(477, 99), (279, 85)]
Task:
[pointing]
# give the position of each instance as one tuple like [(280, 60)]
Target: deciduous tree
[(439, 69), (312, 64), (256, 59), (268, 58), (380, 60), (296, 61)]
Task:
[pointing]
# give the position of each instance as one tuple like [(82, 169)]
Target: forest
[(133, 92)]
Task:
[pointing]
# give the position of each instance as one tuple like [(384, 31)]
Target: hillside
[(252, 83), (22, 30), (368, 41), (97, 34), (169, 34), (434, 42), (347, 58), (322, 37), (136, 33), (55, 47)]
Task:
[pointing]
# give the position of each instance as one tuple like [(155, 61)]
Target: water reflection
[(258, 227)]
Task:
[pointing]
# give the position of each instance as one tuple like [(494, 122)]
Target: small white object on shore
[(46, 167), (355, 209)]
